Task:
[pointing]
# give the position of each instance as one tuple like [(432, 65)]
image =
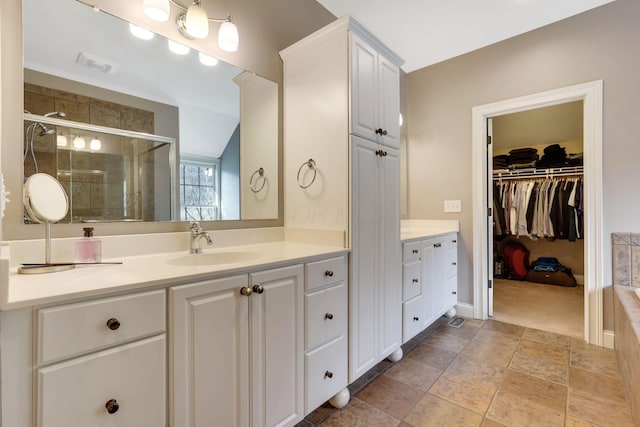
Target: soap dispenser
[(88, 249)]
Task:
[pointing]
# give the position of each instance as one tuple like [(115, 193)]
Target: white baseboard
[(608, 339), (464, 310), (579, 279)]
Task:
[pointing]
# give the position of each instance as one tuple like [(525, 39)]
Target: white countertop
[(416, 229), (140, 272)]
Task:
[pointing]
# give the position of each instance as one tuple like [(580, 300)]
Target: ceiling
[(425, 32)]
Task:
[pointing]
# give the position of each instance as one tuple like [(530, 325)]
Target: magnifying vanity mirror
[(135, 132)]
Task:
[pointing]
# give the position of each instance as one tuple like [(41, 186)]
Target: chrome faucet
[(195, 247)]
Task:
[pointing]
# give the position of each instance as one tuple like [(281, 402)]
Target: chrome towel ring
[(252, 186), (311, 164)]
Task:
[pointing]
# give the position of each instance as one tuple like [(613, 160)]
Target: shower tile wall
[(626, 259), (92, 196)]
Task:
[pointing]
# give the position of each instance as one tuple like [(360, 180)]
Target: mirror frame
[(11, 124)]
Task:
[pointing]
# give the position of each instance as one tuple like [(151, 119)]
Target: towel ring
[(260, 173), (311, 164)]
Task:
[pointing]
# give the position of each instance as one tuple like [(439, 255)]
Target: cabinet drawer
[(412, 313), (325, 272), (411, 280), (326, 314), (411, 251), (451, 261), (325, 372), (75, 392), (73, 329)]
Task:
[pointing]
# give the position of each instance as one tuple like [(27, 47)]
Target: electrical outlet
[(453, 206)]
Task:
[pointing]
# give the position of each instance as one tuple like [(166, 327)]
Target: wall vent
[(96, 63)]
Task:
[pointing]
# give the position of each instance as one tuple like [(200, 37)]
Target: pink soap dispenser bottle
[(88, 249)]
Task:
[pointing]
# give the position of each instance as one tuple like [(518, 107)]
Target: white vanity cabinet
[(236, 350), (102, 362), (413, 310), (341, 103)]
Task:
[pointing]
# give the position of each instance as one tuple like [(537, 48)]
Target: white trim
[(591, 95), (464, 310), (609, 339)]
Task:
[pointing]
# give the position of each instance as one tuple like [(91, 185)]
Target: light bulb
[(61, 141), (207, 60), (140, 33), (158, 10), (197, 22), (228, 37), (177, 48), (95, 144), (79, 143)]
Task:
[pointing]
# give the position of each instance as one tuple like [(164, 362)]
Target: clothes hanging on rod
[(549, 208)]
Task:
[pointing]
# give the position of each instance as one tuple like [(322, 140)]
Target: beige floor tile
[(476, 323), (446, 341), (465, 331), (599, 410), (488, 335), (359, 414), (497, 354), (548, 338), (593, 358), (463, 392), (516, 411), (432, 411), (432, 356), (477, 371), (415, 374), (390, 396), (577, 422), (490, 423), (505, 328), (544, 351), (601, 385), (545, 393), (540, 368)]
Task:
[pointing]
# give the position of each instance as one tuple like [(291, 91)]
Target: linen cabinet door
[(277, 347), (209, 353), (388, 102), (364, 85)]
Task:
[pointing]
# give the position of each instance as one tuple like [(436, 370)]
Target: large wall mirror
[(137, 128)]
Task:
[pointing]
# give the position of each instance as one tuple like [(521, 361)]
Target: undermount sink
[(213, 258)]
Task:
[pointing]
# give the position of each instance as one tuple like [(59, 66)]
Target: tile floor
[(487, 374)]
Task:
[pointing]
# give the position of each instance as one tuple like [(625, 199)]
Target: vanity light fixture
[(95, 144), (177, 48), (193, 22), (207, 60), (61, 141), (79, 143), (400, 121), (140, 33)]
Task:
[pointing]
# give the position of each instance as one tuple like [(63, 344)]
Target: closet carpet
[(550, 308)]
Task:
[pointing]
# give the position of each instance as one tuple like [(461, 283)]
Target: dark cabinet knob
[(437, 245), (113, 324), (454, 292), (328, 273), (379, 131), (112, 406), (416, 318), (258, 289), (454, 263), (415, 251), (415, 280), (328, 316), (454, 241), (328, 374)]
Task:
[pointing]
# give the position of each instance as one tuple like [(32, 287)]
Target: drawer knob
[(454, 263), (415, 251), (454, 241), (113, 324), (112, 406), (416, 318), (328, 273), (245, 291), (437, 245), (454, 293), (415, 280), (328, 374), (328, 316), (258, 289)]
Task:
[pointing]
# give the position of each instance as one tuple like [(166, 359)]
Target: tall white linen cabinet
[(342, 172)]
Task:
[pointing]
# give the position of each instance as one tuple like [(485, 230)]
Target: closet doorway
[(535, 191), (590, 94)]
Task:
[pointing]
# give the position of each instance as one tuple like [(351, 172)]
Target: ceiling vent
[(96, 63)]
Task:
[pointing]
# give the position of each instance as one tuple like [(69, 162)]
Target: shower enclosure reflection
[(109, 174)]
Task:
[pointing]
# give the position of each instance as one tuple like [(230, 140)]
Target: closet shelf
[(538, 173)]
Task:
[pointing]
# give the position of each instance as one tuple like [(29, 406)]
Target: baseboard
[(608, 339), (464, 310), (579, 279)]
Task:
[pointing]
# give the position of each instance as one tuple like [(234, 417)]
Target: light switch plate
[(453, 206)]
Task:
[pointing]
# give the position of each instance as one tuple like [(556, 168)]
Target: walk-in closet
[(537, 181)]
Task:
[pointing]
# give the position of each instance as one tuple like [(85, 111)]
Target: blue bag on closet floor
[(547, 264)]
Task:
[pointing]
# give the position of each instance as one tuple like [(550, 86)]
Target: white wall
[(598, 44)]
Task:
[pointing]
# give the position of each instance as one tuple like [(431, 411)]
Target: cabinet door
[(429, 286), (209, 354), (277, 347), (390, 254), (388, 102), (364, 85)]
